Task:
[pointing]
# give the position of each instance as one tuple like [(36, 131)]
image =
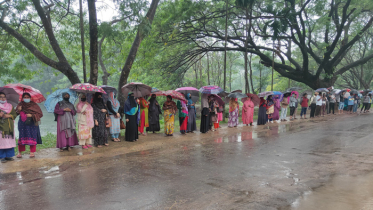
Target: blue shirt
[(351, 100)]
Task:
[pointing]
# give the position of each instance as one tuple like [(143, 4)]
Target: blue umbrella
[(56, 96)]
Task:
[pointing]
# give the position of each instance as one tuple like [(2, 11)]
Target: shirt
[(351, 100), (304, 102), (318, 102)]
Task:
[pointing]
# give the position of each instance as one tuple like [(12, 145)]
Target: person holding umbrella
[(341, 103), (7, 134), (284, 107), (233, 113), (132, 112), (292, 104), (154, 112), (318, 105), (85, 122), (324, 104), (169, 111), (100, 132), (247, 111), (205, 121), (351, 102), (113, 107), (183, 116), (365, 103), (277, 108), (270, 108), (262, 114), (313, 104), (332, 103), (66, 133), (304, 105), (28, 125), (144, 115), (192, 125)]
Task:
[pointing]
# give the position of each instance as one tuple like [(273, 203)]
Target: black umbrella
[(287, 93), (237, 95), (223, 94), (354, 92)]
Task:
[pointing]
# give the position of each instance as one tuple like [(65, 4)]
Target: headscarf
[(130, 106), (152, 105), (114, 102), (269, 101), (66, 104), (170, 105), (189, 98), (67, 121), (204, 101), (232, 104), (6, 107), (88, 112), (30, 108), (98, 102)]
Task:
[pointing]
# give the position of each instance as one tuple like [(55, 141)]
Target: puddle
[(342, 193)]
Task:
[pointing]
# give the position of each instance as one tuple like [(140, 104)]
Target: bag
[(108, 122), (28, 121), (122, 125), (221, 109)]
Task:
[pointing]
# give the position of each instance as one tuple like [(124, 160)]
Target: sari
[(233, 113), (85, 122), (169, 108), (144, 115)]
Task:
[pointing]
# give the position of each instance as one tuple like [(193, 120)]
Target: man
[(318, 105)]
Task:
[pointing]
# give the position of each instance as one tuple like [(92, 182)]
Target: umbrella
[(294, 89), (336, 91), (265, 94), (237, 91), (366, 91), (12, 96), (254, 98), (56, 96), (137, 88), (36, 95), (218, 99), (211, 89), (87, 88), (223, 94), (286, 94), (354, 92), (237, 95), (341, 92), (322, 90), (155, 90), (174, 94), (193, 91)]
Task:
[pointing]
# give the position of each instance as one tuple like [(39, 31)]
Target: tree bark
[(208, 69), (135, 46), (82, 39), (225, 44), (106, 75), (251, 74), (246, 71), (93, 36)]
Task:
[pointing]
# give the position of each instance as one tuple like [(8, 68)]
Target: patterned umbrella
[(107, 89), (36, 95), (155, 90), (174, 94), (12, 96), (254, 98), (193, 91), (56, 96), (87, 88), (265, 94), (218, 99), (137, 88), (237, 95), (211, 89)]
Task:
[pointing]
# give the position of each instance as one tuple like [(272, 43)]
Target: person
[(132, 113), (192, 125), (66, 133), (277, 108), (28, 125), (318, 105), (296, 109), (292, 102), (7, 134), (213, 108), (351, 102), (233, 113), (154, 112), (332, 103), (313, 105), (85, 122), (323, 105), (304, 105), (205, 121), (169, 108), (262, 114), (341, 104), (220, 114), (356, 101), (113, 107), (327, 104), (284, 107), (365, 103), (183, 116), (370, 102), (248, 112), (99, 131), (144, 115), (270, 109)]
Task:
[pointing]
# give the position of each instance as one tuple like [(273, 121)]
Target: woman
[(66, 133), (205, 121), (28, 125), (233, 113), (262, 114), (341, 104), (318, 105), (183, 116), (100, 132), (304, 105), (247, 111), (365, 103), (154, 112), (313, 105), (284, 107), (85, 122), (169, 108), (7, 135), (323, 106), (213, 106), (332, 103), (351, 101), (270, 109), (277, 108), (144, 116), (131, 110), (113, 107), (192, 125), (292, 104)]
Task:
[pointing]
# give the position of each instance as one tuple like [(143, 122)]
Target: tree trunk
[(225, 45), (135, 46), (260, 79), (208, 70), (82, 39), (106, 75), (251, 74), (195, 71), (93, 36), (246, 71), (200, 72)]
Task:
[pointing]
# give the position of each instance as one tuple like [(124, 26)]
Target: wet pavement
[(319, 164)]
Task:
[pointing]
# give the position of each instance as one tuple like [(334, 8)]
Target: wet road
[(280, 166)]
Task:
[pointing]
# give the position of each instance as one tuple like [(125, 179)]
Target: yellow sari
[(169, 120)]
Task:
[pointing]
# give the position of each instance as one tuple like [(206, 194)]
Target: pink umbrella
[(174, 94), (36, 95), (87, 88), (218, 99)]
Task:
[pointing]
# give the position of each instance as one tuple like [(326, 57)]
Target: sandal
[(89, 146), (32, 155), (61, 150), (106, 144), (19, 156), (3, 160), (99, 146)]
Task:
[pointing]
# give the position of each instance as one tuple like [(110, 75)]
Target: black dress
[(99, 133), (132, 133), (262, 116), (153, 116), (205, 120)]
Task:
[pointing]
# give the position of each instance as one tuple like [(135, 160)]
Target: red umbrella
[(36, 95), (174, 94), (218, 99), (254, 98)]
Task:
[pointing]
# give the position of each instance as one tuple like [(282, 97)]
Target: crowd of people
[(97, 122)]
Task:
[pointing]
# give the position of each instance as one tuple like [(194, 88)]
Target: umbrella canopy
[(87, 88), (265, 94), (286, 94), (218, 99), (155, 90), (193, 91), (322, 90), (237, 95), (354, 92), (254, 98), (237, 91), (366, 91), (174, 94), (223, 94), (56, 96), (36, 95), (294, 89), (341, 92), (211, 89), (335, 91), (137, 88), (12, 96)]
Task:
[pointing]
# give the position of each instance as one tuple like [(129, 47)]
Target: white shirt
[(318, 102)]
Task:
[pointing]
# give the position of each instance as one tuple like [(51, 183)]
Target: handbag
[(108, 122), (122, 125), (28, 121)]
